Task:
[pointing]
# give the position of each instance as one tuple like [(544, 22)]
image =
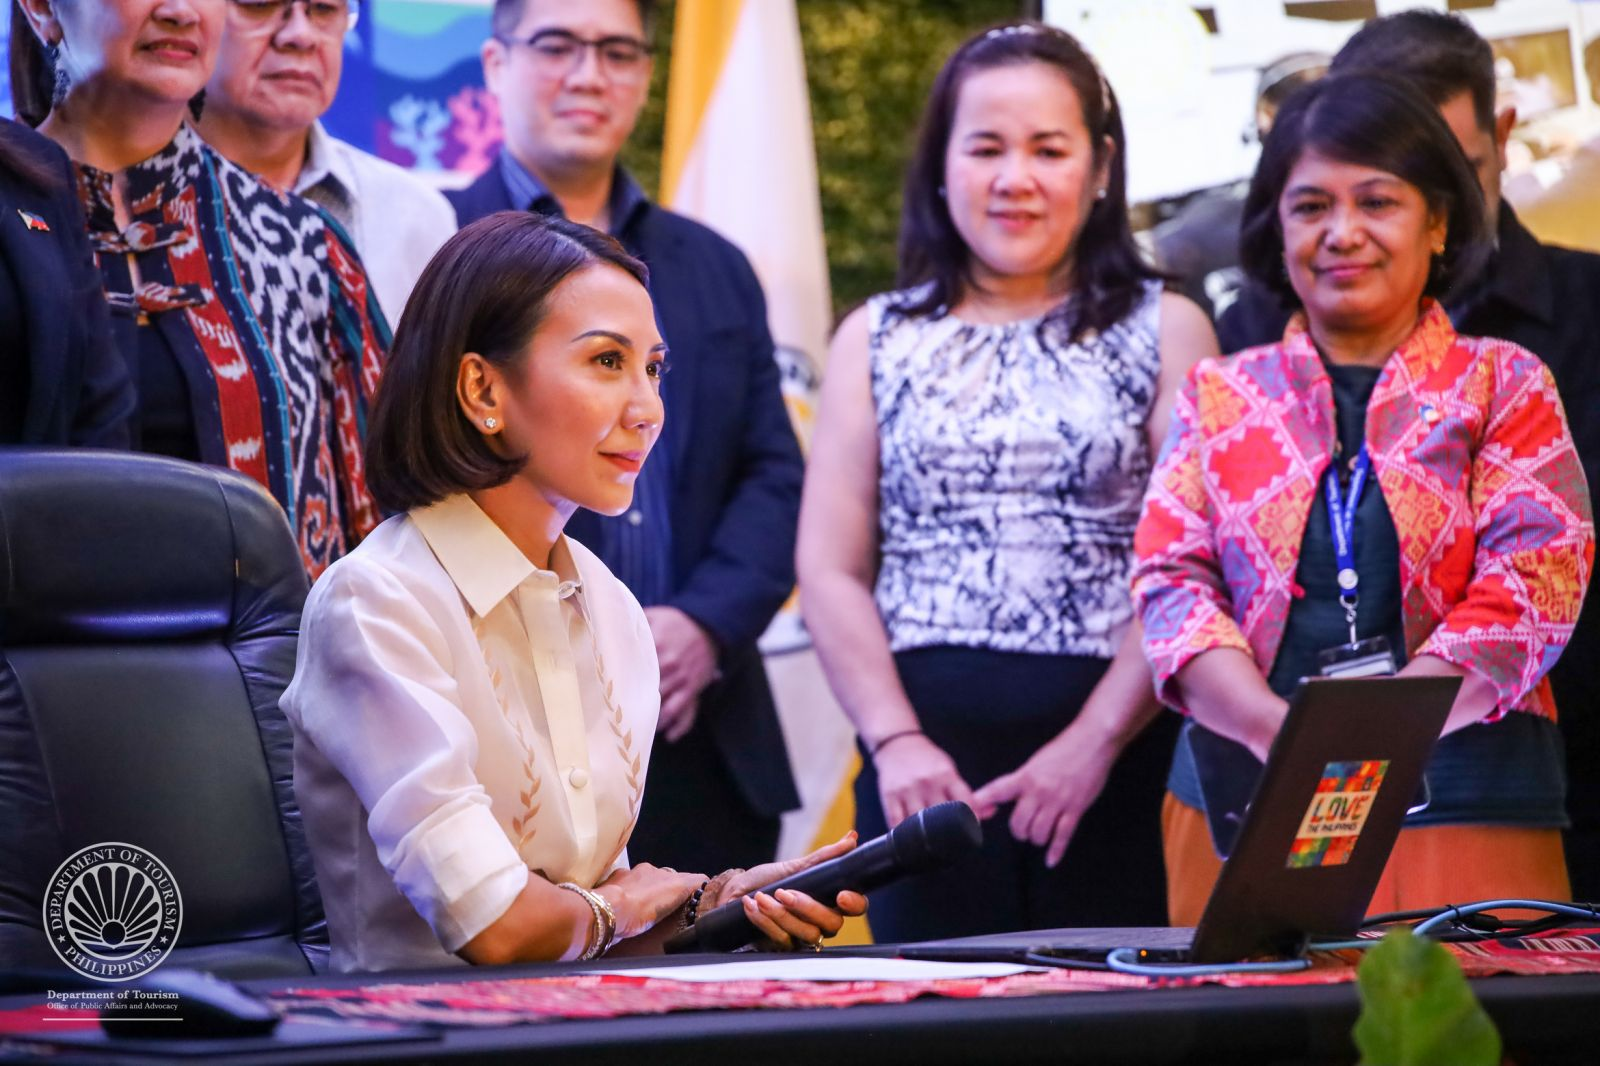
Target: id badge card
[(1363, 658)]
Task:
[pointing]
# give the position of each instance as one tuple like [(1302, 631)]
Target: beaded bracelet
[(691, 910), (605, 921)]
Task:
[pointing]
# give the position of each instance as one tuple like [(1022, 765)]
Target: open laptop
[(1338, 781)]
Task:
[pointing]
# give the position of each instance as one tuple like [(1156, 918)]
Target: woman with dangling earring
[(966, 532), (243, 314)]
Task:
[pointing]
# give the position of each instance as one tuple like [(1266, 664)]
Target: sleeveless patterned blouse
[(1012, 469)]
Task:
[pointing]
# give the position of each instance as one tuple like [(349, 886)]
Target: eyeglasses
[(557, 53), (333, 17)]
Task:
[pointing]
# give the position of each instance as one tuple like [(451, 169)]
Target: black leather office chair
[(148, 616)]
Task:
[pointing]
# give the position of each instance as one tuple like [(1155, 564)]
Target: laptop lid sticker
[(1337, 813)]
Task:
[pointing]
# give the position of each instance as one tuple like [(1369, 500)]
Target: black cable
[(1394, 917), (1457, 915), (1044, 957)]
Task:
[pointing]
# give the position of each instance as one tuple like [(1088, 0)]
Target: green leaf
[(1417, 1009)]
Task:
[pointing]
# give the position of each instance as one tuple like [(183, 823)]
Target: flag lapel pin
[(33, 221)]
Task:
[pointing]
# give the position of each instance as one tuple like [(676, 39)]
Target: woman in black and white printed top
[(967, 529)]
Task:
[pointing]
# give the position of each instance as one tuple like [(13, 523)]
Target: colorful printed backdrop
[(412, 89)]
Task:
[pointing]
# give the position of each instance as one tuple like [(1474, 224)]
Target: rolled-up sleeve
[(375, 693)]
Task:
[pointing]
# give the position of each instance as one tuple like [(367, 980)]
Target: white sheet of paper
[(826, 968)]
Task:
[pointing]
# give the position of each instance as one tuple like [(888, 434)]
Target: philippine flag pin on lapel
[(33, 221)]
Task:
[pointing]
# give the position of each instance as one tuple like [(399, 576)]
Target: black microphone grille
[(936, 836)]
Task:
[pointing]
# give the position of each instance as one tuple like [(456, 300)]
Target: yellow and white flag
[(739, 157)]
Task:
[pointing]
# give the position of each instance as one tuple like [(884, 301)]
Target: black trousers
[(990, 711), (694, 816)]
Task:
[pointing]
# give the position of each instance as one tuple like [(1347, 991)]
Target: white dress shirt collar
[(481, 559), (396, 220), (324, 163)]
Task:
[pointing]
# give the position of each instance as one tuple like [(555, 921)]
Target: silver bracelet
[(605, 921)]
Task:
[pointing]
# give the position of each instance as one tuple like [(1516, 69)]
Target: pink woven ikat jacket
[(1470, 444)]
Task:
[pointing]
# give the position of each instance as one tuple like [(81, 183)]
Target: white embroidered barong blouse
[(462, 717)]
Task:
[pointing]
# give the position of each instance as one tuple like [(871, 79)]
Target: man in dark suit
[(1546, 299), (708, 547)]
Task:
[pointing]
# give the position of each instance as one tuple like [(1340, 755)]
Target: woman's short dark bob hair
[(485, 291), (1108, 271), (1371, 120)]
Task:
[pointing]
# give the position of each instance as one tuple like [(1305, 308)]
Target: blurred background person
[(1472, 539), (1568, 212), (982, 448), (237, 308), (1200, 244), (1538, 296), (61, 381), (475, 693), (277, 72), (708, 545)]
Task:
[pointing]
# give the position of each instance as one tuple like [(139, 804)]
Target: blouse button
[(579, 777)]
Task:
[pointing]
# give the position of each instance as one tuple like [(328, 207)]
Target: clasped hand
[(1050, 791), (688, 662), (913, 773)]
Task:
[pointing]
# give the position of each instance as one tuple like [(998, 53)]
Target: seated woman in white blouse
[(476, 695)]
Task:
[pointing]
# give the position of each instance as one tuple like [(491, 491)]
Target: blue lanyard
[(1342, 522)]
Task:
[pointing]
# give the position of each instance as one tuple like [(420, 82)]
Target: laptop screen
[(1328, 807)]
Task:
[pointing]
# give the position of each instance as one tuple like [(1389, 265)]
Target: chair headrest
[(113, 546)]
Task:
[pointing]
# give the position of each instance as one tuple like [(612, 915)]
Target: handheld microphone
[(932, 838)]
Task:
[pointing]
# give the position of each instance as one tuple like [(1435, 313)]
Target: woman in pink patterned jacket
[(1468, 549)]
